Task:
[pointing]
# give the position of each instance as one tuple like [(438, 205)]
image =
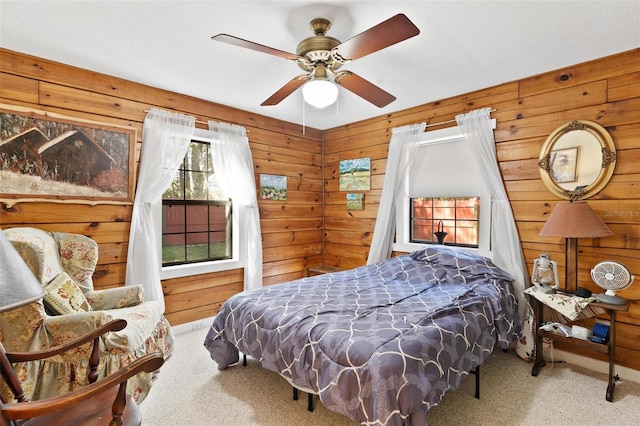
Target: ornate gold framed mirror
[(577, 160)]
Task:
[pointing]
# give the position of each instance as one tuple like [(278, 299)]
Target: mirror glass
[(577, 160)]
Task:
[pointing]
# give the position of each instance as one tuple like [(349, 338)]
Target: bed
[(382, 343)]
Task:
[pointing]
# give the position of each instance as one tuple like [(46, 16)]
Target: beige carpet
[(191, 391)]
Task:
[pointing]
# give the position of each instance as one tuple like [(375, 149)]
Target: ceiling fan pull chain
[(303, 117)]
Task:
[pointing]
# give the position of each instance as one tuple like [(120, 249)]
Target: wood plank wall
[(606, 91), (291, 229)]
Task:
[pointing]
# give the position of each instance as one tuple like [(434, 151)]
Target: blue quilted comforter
[(382, 343)]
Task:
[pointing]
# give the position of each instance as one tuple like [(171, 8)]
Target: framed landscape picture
[(355, 175), (273, 187), (355, 201), (49, 157)]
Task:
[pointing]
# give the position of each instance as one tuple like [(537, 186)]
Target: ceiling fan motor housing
[(317, 48)]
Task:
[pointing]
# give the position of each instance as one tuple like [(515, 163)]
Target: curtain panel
[(505, 242), (402, 153), (165, 140), (233, 166)]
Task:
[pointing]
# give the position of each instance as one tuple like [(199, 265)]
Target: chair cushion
[(79, 257), (141, 323), (63, 296)]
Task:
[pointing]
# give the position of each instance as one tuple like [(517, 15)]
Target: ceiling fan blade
[(286, 90), (363, 88), (229, 39), (394, 30)]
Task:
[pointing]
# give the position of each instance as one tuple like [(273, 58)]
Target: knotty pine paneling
[(312, 226), (606, 91), (294, 226)]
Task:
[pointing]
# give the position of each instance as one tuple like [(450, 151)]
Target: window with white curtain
[(196, 215), (443, 169), (199, 233)]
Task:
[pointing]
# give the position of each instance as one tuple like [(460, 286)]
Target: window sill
[(411, 247), (407, 247), (178, 271)]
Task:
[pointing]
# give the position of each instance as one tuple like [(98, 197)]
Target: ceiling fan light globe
[(320, 93)]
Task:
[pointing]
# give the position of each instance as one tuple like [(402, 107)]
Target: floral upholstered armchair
[(64, 264)]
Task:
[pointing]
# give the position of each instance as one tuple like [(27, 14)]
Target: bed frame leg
[(244, 360), (477, 374), (309, 400)]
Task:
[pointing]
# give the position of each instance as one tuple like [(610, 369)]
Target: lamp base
[(546, 289)]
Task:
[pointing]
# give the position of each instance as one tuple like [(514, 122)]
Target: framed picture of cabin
[(50, 157)]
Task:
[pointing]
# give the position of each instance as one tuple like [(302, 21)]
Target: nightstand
[(319, 270), (606, 348)]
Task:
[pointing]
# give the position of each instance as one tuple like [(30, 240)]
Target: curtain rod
[(195, 121), (428, 124), (449, 121), (206, 123)]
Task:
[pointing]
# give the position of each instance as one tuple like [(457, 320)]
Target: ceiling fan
[(321, 57)]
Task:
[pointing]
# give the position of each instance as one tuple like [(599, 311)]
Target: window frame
[(204, 267), (413, 219), (403, 204)]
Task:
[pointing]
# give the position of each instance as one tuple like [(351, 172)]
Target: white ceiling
[(463, 45)]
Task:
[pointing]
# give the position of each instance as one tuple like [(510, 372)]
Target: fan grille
[(611, 275)]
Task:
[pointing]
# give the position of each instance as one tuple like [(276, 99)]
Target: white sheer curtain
[(165, 139), (233, 165), (402, 152), (507, 251)]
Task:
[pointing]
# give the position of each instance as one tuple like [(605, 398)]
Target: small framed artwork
[(355, 175), (50, 157), (355, 201), (563, 165), (273, 187)]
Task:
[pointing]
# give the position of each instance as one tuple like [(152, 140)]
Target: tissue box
[(581, 332)]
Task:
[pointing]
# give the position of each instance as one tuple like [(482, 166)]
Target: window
[(444, 175), (458, 217), (196, 216)]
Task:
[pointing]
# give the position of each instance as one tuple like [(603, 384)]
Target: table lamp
[(18, 287), (573, 220)]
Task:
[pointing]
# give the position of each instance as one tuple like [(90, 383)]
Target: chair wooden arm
[(24, 410), (115, 325)]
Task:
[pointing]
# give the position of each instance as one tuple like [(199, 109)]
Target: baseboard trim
[(192, 326), (625, 373)]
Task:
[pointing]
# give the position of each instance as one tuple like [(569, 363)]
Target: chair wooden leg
[(8, 374), (94, 361), (119, 405)]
